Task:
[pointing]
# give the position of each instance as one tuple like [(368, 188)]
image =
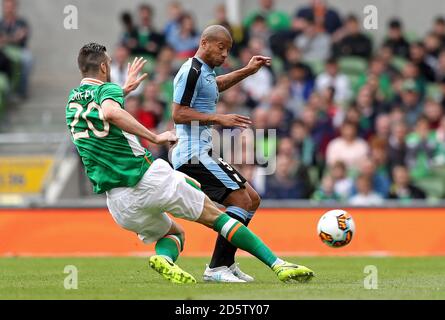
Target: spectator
[(276, 20), (352, 42), (410, 102), (235, 100), (303, 142), (348, 148), (380, 181), (379, 155), (259, 29), (343, 185), (439, 135), (327, 19), (265, 145), (433, 46), (402, 188), (333, 78), (301, 86), (5, 62), (119, 68), (326, 191), (184, 38), (290, 180), (397, 145), (174, 11), (314, 44), (276, 120), (149, 41), (395, 39), (368, 108), (258, 85), (292, 56), (440, 70), (377, 77), (133, 105), (421, 148), (130, 33), (16, 31), (382, 128), (150, 113), (433, 112), (439, 29), (417, 55), (365, 195), (320, 130)]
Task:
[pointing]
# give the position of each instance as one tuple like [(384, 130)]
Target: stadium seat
[(398, 63), (432, 185), (352, 65), (317, 66), (15, 55), (4, 89), (277, 65), (411, 36), (434, 91)]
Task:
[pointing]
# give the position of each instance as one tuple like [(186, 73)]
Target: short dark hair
[(145, 6), (395, 23), (332, 60), (90, 57), (352, 18), (440, 20)]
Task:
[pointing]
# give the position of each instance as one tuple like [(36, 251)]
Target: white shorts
[(142, 208)]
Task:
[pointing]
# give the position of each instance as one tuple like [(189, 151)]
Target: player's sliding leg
[(240, 236), (167, 250)]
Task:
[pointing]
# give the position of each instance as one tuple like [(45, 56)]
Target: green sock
[(241, 237), (169, 246)]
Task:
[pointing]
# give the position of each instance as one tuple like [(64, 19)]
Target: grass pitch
[(131, 278)]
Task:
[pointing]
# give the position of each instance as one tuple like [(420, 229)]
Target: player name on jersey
[(79, 95)]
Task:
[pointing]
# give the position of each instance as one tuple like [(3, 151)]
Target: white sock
[(166, 257), (278, 261)]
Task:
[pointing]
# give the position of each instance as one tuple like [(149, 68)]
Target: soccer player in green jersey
[(139, 189)]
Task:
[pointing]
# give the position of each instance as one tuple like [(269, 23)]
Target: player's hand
[(133, 78), (256, 62), (234, 120), (167, 136)]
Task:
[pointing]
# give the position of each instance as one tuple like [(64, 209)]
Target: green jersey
[(112, 157)]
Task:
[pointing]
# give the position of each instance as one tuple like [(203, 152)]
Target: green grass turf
[(131, 278)]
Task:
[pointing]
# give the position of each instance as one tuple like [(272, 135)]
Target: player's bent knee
[(239, 198), (209, 213), (256, 200)]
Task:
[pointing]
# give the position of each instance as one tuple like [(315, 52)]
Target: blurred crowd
[(15, 57), (356, 121)]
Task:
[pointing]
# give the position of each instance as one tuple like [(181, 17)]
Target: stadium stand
[(402, 74)]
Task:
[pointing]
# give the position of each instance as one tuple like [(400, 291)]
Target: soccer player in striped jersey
[(196, 93), (139, 189)]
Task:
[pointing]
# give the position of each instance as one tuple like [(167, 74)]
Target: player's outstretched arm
[(226, 81), (114, 114), (186, 115)]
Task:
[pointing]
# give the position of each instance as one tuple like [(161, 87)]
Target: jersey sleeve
[(186, 84), (110, 91)]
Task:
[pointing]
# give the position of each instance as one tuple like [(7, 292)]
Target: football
[(336, 228)]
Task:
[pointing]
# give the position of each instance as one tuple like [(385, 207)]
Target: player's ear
[(103, 67), (203, 43)]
